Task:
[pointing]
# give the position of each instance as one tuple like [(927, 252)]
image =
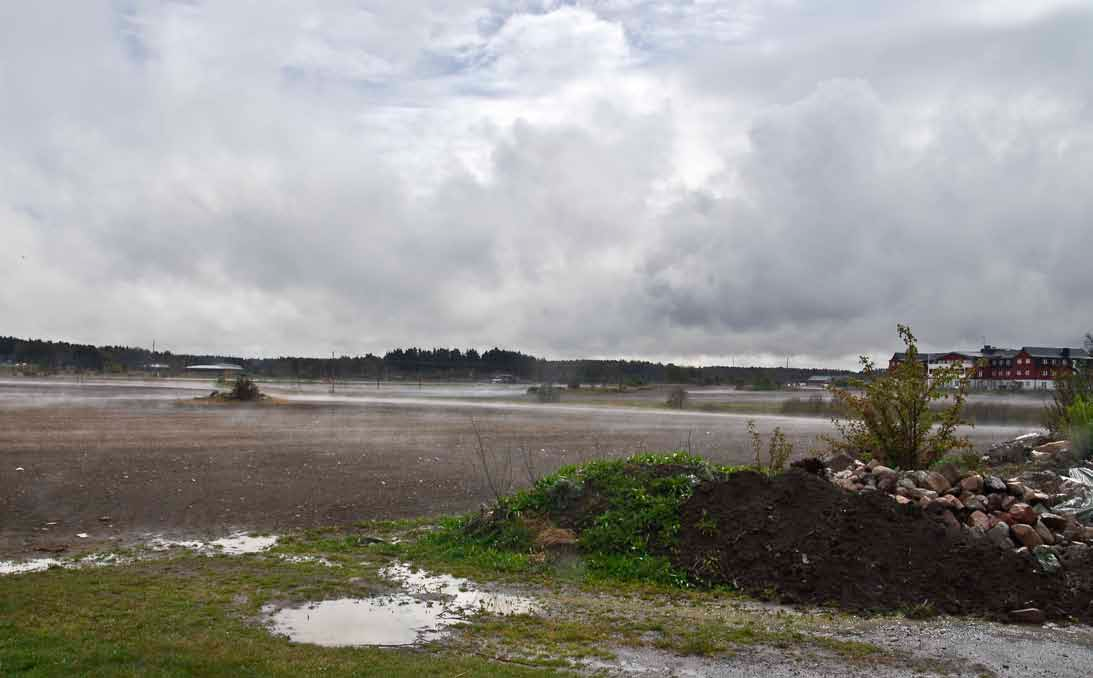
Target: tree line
[(401, 363)]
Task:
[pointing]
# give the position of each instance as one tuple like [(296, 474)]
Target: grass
[(625, 513), (184, 614), (193, 616)]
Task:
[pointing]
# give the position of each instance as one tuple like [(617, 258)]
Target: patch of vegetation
[(194, 616), (897, 416), (624, 513), (772, 458), (244, 390), (1069, 389), (923, 610), (1080, 425)]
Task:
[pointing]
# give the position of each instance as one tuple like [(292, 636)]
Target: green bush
[(245, 389), (893, 416), (1080, 425), (1069, 389)]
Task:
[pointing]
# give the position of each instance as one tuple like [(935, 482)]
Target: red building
[(1029, 367)]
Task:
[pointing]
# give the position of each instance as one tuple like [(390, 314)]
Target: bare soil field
[(122, 461)]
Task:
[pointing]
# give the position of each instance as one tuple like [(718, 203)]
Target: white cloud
[(610, 178)]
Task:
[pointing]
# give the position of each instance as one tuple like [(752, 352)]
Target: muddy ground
[(120, 460)]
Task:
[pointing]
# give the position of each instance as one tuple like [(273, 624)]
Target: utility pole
[(332, 368)]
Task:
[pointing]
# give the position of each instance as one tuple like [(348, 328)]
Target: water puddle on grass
[(21, 566), (41, 564), (232, 545), (428, 605)]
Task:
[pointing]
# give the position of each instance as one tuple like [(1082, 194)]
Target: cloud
[(670, 180)]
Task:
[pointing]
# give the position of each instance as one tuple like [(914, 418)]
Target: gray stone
[(937, 482), (994, 484), (951, 473), (1000, 534), (974, 503), (881, 470)]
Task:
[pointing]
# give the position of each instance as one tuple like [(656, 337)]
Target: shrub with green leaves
[(1080, 424), (889, 413), (244, 389)]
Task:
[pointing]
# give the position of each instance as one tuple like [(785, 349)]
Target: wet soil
[(119, 461), (802, 539)]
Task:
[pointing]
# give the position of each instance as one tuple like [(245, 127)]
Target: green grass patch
[(624, 512), (194, 616)]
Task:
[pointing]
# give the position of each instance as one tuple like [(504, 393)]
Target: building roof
[(219, 367), (1055, 352)]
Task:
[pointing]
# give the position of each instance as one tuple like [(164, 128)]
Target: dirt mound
[(809, 541)]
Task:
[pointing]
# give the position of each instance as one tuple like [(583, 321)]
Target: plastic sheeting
[(1081, 506)]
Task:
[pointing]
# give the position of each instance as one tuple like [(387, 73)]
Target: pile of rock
[(1036, 448), (1014, 513)]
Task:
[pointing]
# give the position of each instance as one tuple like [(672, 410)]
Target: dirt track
[(152, 464)]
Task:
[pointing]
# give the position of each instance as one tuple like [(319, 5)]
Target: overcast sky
[(698, 181)]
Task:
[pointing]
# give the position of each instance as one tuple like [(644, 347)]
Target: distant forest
[(42, 356)]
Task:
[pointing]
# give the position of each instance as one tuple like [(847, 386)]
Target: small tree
[(244, 389), (1069, 388), (889, 414)]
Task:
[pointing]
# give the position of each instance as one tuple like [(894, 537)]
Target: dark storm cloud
[(626, 178)]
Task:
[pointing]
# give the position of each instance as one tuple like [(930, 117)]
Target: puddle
[(21, 566), (40, 564), (232, 545), (429, 605), (239, 544), (309, 559)]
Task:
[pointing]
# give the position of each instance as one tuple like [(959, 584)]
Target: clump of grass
[(625, 513), (923, 610)]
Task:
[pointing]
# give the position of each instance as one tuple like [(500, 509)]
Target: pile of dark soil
[(806, 540)]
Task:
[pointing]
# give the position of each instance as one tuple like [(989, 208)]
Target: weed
[(773, 458), (923, 610)]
